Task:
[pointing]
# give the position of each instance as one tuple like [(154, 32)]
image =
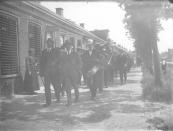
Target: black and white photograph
[(78, 65)]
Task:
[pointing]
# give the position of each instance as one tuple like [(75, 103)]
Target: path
[(119, 107)]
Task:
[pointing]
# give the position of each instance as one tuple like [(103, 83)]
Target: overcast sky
[(107, 15)]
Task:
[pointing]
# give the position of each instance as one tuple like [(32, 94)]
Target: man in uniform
[(49, 70), (70, 67), (91, 58)]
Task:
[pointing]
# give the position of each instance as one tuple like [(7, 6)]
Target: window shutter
[(9, 45), (35, 39)]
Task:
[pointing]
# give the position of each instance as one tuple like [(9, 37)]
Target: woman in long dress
[(31, 83)]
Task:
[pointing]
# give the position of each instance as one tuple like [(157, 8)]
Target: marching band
[(64, 68)]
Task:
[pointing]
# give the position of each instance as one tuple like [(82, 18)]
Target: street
[(119, 107)]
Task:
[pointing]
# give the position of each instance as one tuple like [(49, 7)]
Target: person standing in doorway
[(31, 78)]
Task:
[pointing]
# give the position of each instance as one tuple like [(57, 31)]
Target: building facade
[(25, 25)]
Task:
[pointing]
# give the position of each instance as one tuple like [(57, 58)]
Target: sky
[(108, 15)]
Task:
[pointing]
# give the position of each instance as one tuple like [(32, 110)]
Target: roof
[(36, 5), (119, 48)]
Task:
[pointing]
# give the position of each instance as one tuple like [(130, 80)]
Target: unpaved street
[(119, 107)]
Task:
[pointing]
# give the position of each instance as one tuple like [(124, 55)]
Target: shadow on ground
[(111, 100), (87, 111)]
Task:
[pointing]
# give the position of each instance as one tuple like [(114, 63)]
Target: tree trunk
[(150, 61), (157, 69)]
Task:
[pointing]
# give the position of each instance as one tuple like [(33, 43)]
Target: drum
[(92, 71)]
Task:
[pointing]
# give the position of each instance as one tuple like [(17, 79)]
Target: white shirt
[(90, 52), (163, 62), (49, 49), (68, 52)]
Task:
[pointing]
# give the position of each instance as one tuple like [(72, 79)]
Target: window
[(9, 45), (73, 42), (34, 31), (79, 43), (62, 39)]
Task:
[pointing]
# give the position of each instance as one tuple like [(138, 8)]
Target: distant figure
[(138, 61), (116, 65), (143, 66), (122, 67), (164, 64), (31, 78)]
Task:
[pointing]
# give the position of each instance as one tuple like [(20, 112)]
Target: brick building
[(23, 25)]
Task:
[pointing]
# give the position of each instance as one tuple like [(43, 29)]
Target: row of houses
[(26, 24)]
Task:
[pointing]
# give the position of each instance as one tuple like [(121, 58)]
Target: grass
[(155, 93)]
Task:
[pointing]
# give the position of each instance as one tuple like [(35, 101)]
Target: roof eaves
[(62, 19)]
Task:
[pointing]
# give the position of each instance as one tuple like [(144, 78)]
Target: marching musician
[(91, 58)]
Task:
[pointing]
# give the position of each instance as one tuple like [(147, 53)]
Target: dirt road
[(119, 107)]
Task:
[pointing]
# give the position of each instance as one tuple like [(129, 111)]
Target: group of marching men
[(64, 67)]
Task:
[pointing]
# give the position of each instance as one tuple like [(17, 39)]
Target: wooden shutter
[(35, 39), (9, 45)]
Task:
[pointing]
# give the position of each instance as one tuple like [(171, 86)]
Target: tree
[(142, 20)]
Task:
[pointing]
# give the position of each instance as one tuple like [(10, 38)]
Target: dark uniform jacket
[(89, 61), (121, 62), (70, 64), (47, 58)]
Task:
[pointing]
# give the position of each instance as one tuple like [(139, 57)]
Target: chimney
[(82, 25), (59, 11)]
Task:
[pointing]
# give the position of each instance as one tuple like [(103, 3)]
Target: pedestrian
[(143, 66), (70, 67), (163, 65), (122, 67), (31, 83), (50, 71)]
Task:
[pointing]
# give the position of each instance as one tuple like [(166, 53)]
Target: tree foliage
[(142, 20)]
